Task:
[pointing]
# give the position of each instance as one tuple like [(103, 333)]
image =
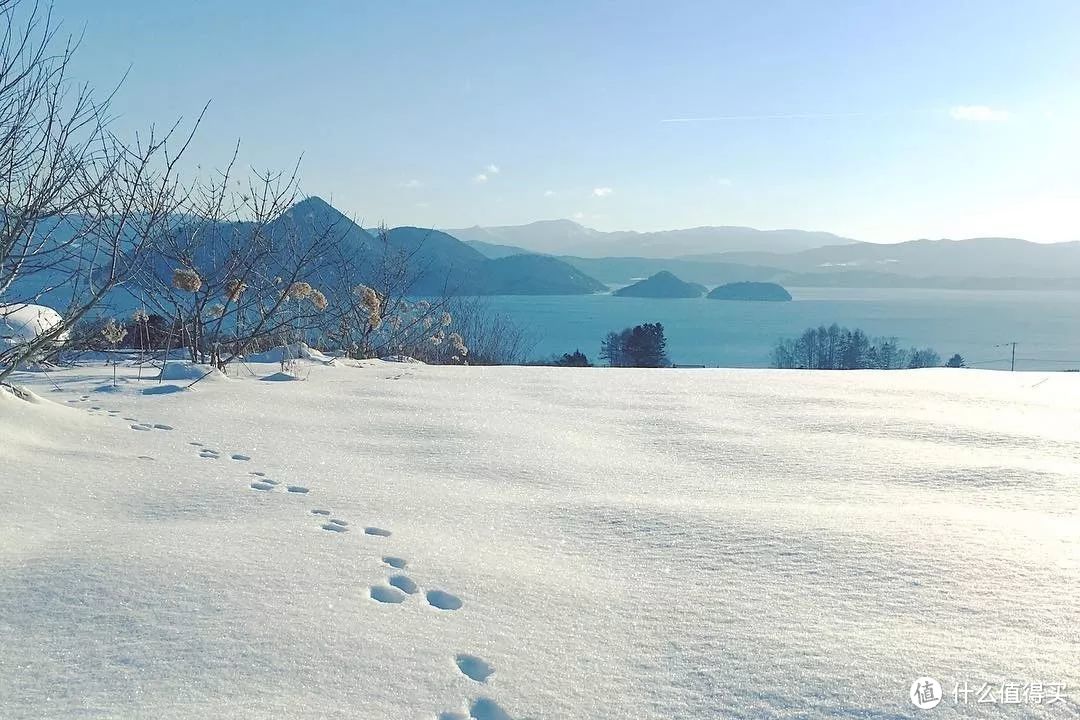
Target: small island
[(662, 285), (770, 292)]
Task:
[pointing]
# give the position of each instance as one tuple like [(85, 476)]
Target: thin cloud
[(773, 116), (549, 193), (492, 169), (412, 184), (481, 178), (602, 191), (978, 113)]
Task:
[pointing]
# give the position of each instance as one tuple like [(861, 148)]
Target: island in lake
[(750, 291), (661, 285)]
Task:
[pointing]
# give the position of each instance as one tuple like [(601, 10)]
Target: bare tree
[(241, 270), (78, 206)]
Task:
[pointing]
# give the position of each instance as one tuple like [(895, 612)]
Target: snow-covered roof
[(21, 323)]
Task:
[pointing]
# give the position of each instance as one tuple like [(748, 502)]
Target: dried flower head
[(446, 319), (234, 289), (318, 300), (113, 333), (187, 280), (298, 291), (458, 343), (438, 337), (139, 316)]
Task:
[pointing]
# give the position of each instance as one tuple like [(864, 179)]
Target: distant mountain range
[(565, 237), (445, 264), (823, 260)]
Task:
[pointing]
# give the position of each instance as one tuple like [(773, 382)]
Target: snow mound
[(190, 371), (402, 359), (281, 377), (17, 392), (293, 351), (22, 323)]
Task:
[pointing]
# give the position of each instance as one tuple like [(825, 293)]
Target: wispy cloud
[(579, 215), (602, 191), (492, 169), (769, 116), (481, 178), (978, 113), (549, 193), (412, 184)]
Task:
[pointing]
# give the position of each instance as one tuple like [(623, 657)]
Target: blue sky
[(879, 120)]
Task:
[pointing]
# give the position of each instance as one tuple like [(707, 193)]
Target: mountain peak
[(313, 204)]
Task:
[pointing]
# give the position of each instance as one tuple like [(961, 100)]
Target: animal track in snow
[(261, 486), (297, 489), (403, 583), (394, 562), (342, 523), (142, 428), (443, 600), (162, 426), (376, 531), (145, 457), (387, 594), (257, 473), (320, 512), (334, 527), (195, 443), (134, 420), (473, 667), (210, 454), (242, 458), (487, 709)]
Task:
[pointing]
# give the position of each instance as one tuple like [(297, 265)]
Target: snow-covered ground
[(582, 543)]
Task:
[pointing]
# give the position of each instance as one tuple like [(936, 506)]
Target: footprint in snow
[(334, 527), (473, 667), (342, 523), (318, 511), (261, 486), (134, 420), (210, 454), (161, 426), (195, 443), (394, 562), (142, 428), (145, 457), (257, 473), (242, 458), (487, 709), (384, 594), (297, 489), (403, 583), (452, 715), (376, 531), (443, 600)]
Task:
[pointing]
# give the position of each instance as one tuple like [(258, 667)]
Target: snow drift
[(412, 541)]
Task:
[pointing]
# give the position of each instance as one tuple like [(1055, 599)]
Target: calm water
[(1046, 325)]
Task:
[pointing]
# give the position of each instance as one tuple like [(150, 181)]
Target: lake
[(1045, 325)]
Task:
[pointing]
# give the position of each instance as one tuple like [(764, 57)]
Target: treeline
[(839, 348), (642, 346)]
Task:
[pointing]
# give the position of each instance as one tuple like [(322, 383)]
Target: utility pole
[(1012, 362)]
